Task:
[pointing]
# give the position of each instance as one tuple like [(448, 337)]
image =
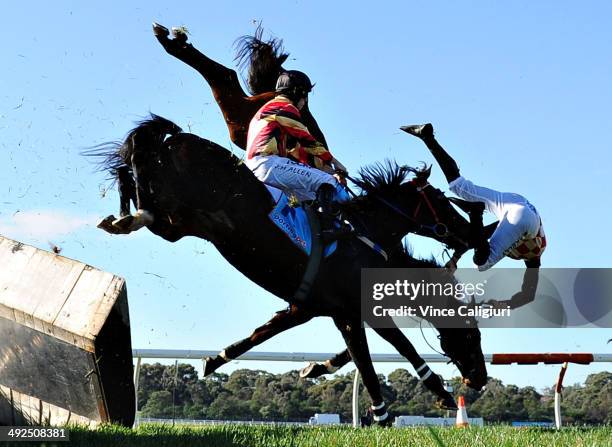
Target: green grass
[(152, 435)]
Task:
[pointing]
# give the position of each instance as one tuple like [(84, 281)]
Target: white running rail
[(494, 359)]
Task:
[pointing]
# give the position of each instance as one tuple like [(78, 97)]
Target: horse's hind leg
[(223, 81), (281, 321), (330, 366), (430, 379), (217, 75)]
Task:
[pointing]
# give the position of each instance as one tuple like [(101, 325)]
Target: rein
[(440, 229)]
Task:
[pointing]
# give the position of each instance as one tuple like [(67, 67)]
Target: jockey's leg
[(426, 133), (290, 176), (519, 221), (451, 171), (306, 183)]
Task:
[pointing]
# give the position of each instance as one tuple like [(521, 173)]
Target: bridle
[(438, 229)]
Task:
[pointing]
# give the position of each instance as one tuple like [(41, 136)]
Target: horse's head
[(414, 205), (462, 346), (435, 215)]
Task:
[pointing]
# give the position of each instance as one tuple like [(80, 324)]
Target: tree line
[(259, 395)]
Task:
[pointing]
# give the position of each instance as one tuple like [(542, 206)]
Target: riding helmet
[(293, 82)]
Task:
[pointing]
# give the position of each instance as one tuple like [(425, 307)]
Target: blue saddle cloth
[(294, 223)]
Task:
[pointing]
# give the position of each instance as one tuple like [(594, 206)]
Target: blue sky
[(519, 92)]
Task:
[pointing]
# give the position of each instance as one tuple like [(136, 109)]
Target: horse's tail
[(264, 60), (149, 135)]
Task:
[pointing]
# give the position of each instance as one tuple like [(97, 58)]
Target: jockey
[(519, 234), (282, 153)]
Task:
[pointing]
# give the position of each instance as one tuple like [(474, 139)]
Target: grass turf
[(152, 435)]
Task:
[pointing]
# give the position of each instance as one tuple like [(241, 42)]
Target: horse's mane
[(381, 177), (263, 59), (386, 177), (111, 156), (107, 158)]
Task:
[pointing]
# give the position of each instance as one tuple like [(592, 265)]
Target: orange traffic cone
[(462, 418)]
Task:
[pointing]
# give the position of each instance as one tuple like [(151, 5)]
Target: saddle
[(317, 237)]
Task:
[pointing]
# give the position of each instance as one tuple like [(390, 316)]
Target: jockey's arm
[(298, 131), (333, 166), (294, 127), (338, 167), (527, 293), (528, 288)]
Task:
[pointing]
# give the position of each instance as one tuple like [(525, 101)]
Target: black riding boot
[(331, 228), (451, 171), (426, 133)]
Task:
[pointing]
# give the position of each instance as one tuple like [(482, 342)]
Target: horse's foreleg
[(127, 190), (127, 194), (355, 338), (330, 366), (136, 188), (281, 321), (430, 379)]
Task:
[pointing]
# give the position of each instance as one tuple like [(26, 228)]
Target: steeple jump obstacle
[(65, 347)]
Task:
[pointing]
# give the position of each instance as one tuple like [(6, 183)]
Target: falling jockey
[(282, 153), (519, 234)]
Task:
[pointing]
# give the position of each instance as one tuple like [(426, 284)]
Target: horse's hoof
[(313, 370), (419, 130), (179, 34), (385, 423), (446, 403), (160, 30), (211, 364), (123, 224), (106, 224), (133, 222)]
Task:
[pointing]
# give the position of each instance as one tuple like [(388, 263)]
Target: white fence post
[(558, 389), (136, 383), (356, 420)]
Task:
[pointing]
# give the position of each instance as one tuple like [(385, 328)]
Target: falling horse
[(195, 187)]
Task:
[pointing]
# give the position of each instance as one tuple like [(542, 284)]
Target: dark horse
[(195, 187)]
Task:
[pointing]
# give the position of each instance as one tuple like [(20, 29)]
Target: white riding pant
[(289, 176), (517, 217)]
